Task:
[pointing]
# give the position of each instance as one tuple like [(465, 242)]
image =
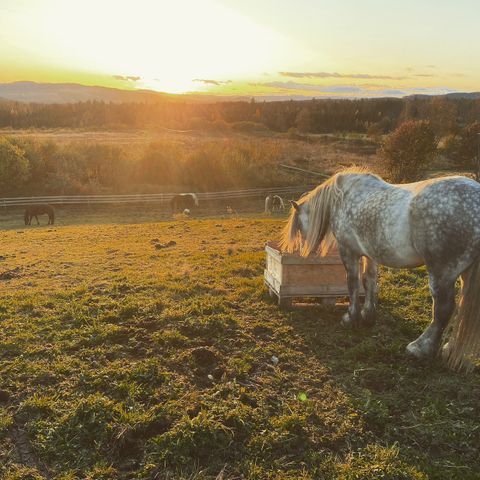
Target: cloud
[(391, 92), (211, 82), (352, 91), (424, 75), (338, 75), (317, 88), (131, 78)]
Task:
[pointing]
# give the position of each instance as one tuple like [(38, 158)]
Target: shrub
[(14, 166), (463, 149), (408, 150)]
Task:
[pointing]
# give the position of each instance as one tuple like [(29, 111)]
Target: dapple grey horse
[(434, 222)]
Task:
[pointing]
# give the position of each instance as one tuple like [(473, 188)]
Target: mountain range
[(34, 92)]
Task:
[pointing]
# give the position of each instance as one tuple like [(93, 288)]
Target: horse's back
[(445, 216), (380, 227)]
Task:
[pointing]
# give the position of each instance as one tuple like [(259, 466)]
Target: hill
[(454, 96), (71, 92), (52, 93)]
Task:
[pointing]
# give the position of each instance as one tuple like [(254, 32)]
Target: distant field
[(128, 213), (313, 150), (69, 135), (120, 359)]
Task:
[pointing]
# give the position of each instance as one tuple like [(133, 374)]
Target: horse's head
[(308, 226), (296, 230), (302, 213)]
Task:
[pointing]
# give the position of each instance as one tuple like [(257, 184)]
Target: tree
[(408, 150), (14, 167), (304, 120), (463, 148), (379, 128)]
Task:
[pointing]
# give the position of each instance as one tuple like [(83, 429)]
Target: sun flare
[(168, 49)]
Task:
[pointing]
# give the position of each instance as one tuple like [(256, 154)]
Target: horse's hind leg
[(38, 223), (351, 261), (443, 293), (369, 278)]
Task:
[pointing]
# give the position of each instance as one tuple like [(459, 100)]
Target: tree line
[(373, 116)]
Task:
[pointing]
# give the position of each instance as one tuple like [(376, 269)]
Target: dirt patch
[(159, 246), (9, 274)]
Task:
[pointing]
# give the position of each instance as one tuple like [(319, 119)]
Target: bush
[(247, 126), (14, 166), (463, 148), (408, 150)]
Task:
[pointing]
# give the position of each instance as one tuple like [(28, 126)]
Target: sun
[(167, 44)]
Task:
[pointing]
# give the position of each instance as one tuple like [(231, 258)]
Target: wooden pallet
[(289, 276)]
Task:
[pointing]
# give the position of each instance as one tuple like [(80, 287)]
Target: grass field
[(120, 359)]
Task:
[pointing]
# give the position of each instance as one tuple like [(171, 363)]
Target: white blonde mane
[(321, 201), (193, 195)]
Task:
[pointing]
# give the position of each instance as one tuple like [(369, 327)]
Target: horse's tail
[(463, 348)]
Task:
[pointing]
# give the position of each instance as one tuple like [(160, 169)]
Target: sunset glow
[(233, 47)]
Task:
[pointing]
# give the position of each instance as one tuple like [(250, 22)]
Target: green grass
[(122, 361)]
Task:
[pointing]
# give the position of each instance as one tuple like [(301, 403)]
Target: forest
[(229, 145), (374, 116)]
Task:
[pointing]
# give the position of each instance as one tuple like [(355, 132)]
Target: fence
[(154, 197)]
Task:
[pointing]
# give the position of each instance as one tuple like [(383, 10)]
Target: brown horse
[(39, 209), (183, 201)]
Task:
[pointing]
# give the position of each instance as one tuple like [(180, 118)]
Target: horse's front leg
[(369, 278), (443, 293), (351, 261), (38, 223)]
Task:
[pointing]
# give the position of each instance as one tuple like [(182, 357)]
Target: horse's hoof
[(368, 318), (415, 351), (346, 321)]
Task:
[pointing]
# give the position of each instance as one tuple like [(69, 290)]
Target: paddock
[(116, 352)]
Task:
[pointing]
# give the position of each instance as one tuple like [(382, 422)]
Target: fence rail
[(153, 197)]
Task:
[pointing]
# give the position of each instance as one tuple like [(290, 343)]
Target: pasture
[(124, 358)]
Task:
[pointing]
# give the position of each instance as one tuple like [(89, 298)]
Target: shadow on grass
[(428, 412)]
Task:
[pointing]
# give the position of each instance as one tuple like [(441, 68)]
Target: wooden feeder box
[(289, 276)]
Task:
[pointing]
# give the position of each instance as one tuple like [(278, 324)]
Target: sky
[(313, 48)]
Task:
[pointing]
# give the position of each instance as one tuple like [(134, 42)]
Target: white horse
[(274, 203), (433, 222)]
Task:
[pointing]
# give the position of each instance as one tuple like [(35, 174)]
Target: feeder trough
[(289, 276)]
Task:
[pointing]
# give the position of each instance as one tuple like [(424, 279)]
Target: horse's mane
[(195, 198), (193, 195), (321, 201)]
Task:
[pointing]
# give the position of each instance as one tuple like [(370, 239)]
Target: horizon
[(232, 48)]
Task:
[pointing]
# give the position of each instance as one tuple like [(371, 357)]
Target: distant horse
[(274, 203), (434, 222), (183, 201), (39, 209)]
